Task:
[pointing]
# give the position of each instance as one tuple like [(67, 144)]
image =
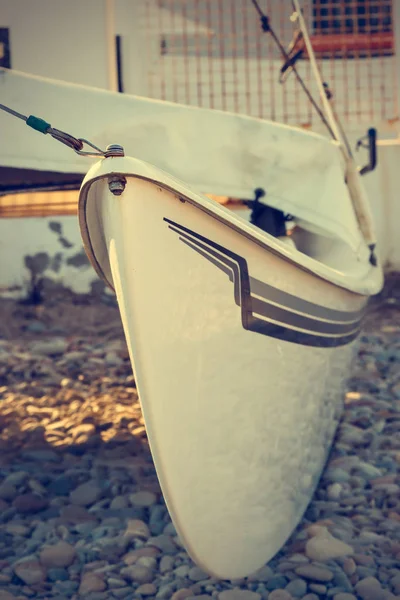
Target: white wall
[(20, 238), (60, 39)]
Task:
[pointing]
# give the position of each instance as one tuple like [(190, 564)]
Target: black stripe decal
[(227, 270), (299, 337), (259, 288), (277, 313), (319, 326), (239, 267)]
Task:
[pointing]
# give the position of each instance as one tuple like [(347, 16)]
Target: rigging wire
[(266, 27), (67, 139)]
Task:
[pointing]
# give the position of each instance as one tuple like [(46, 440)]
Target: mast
[(329, 113), (356, 189)]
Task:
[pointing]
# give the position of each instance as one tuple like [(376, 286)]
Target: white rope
[(318, 78)]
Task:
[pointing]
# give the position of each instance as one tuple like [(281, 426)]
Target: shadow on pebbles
[(81, 511)]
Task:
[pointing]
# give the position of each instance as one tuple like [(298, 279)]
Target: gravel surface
[(81, 511)]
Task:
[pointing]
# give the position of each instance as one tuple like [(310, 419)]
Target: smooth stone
[(368, 471), (297, 588), (41, 455), (50, 513), (16, 478), (147, 561), (395, 583), (166, 564), (364, 560), (197, 574), (364, 572), (165, 591), (102, 531), (91, 582), (262, 575), (36, 327), (42, 531), (143, 499), (369, 589), (58, 556), (198, 588), (341, 580), (66, 587), (133, 556), (158, 513), (310, 597), (76, 515), (370, 537), (344, 596), (85, 494), (391, 489), (298, 558), (314, 573), (349, 566), (157, 528), (325, 547), (280, 595), (182, 571), (58, 574), (182, 594), (119, 502), (49, 347), (121, 513), (138, 573), (146, 589), (169, 529), (4, 595), (334, 491), (237, 594), (318, 588), (137, 528), (30, 571), (98, 596), (61, 486), (112, 359), (30, 503), (336, 475), (122, 592), (165, 543), (16, 529), (8, 491), (114, 582), (276, 582)]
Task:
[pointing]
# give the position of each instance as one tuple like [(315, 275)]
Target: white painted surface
[(206, 382), (26, 237), (56, 39), (331, 258)]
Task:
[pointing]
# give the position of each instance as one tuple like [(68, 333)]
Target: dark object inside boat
[(369, 143), (269, 219)]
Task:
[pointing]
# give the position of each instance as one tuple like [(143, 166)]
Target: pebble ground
[(81, 511)]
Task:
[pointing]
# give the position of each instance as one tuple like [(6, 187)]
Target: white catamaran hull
[(240, 358)]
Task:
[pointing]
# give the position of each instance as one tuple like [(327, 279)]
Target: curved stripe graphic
[(271, 311)]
